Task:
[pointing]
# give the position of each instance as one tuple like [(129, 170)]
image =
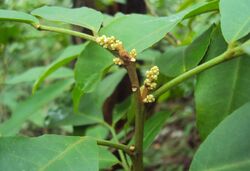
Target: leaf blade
[(69, 54), (141, 31), (227, 136), (25, 109), (38, 154), (18, 16), (85, 17), (90, 67), (235, 19), (221, 89), (152, 127), (177, 60)]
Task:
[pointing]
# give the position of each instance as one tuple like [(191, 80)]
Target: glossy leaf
[(152, 128), (177, 60), (235, 20), (97, 131), (202, 8), (171, 63), (32, 74), (85, 17), (221, 89), (11, 15), (107, 86), (96, 99), (246, 47), (148, 55), (106, 158), (26, 108), (141, 31), (67, 56), (88, 113), (78, 119), (90, 67), (197, 49), (48, 153), (227, 148)]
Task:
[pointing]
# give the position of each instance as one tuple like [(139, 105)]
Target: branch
[(65, 31), (115, 145), (121, 154), (139, 116), (231, 53)]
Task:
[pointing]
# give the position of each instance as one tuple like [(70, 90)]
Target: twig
[(231, 53), (115, 145)]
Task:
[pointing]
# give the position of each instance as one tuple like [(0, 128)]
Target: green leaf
[(181, 59), (235, 19), (103, 90), (197, 49), (48, 153), (85, 17), (89, 72), (97, 131), (227, 148), (10, 15), (26, 108), (32, 74), (221, 89), (142, 31), (78, 119), (89, 113), (152, 128), (69, 54), (74, 120), (148, 55), (106, 158), (90, 67), (246, 47), (171, 63), (202, 8), (107, 86)]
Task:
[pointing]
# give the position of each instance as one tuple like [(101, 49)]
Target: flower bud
[(149, 99), (118, 61)]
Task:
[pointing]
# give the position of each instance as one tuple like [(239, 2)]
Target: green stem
[(231, 53), (114, 145), (139, 118), (65, 31), (139, 133), (121, 154)]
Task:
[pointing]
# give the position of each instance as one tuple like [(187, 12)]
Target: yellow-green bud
[(118, 61), (149, 99)]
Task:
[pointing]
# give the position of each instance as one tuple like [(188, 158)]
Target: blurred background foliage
[(23, 48)]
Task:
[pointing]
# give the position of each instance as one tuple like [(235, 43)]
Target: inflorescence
[(150, 83), (149, 99), (118, 61), (113, 44), (151, 78), (109, 42)]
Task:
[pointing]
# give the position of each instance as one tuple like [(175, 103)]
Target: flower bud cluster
[(118, 61), (132, 55), (109, 42), (151, 77), (149, 99)]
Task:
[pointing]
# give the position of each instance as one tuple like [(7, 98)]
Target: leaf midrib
[(240, 30), (234, 85), (67, 149)]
